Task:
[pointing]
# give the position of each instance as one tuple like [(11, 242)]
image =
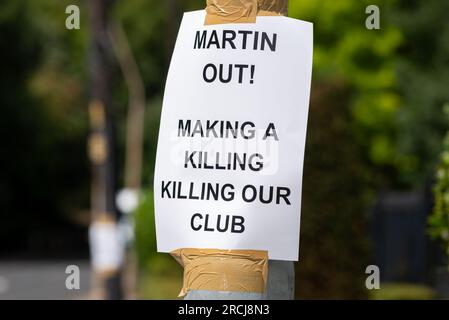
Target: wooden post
[(134, 144), (281, 274), (101, 140)]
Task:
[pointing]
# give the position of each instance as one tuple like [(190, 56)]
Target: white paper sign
[(232, 135), (106, 245)]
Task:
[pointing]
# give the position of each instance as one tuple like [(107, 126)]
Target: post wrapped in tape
[(106, 246), (223, 270), (243, 11)]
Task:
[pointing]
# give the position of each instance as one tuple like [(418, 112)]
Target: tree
[(423, 70)]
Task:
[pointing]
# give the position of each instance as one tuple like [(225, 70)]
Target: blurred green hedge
[(334, 246), (160, 275), (402, 291)]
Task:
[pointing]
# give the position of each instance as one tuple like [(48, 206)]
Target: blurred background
[(376, 174)]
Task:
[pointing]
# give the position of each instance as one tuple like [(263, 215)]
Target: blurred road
[(41, 280)]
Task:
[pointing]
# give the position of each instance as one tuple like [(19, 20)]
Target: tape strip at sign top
[(243, 11), (229, 270)]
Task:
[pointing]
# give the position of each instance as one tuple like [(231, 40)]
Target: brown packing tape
[(223, 270), (243, 11), (97, 114), (106, 273), (103, 218)]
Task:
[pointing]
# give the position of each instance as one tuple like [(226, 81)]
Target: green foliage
[(423, 72), (439, 220), (350, 136), (42, 124), (162, 280), (333, 224), (152, 26), (152, 118), (344, 50), (402, 291), (398, 75), (161, 275), (145, 231)]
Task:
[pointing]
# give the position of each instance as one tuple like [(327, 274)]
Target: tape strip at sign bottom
[(223, 270), (243, 11)]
